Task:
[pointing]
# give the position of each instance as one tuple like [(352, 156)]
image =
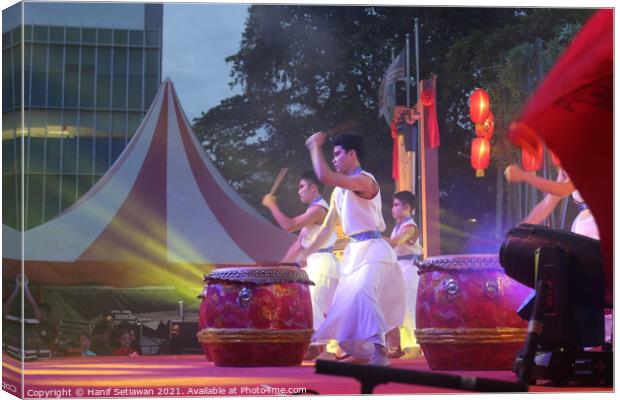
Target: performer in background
[(368, 300), (321, 266), (405, 240), (584, 223)]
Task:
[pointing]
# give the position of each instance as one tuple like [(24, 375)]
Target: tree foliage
[(309, 68)]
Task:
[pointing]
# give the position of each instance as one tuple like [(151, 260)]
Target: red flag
[(429, 99), (395, 170), (572, 112)]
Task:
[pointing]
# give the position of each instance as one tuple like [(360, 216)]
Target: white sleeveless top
[(313, 230), (410, 246), (584, 223), (357, 214)]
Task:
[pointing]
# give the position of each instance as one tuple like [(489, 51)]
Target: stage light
[(567, 269)]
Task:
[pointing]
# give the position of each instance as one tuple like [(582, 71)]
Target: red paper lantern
[(479, 106), (480, 152), (486, 129), (532, 162)]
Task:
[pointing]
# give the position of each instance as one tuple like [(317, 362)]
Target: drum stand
[(560, 366)]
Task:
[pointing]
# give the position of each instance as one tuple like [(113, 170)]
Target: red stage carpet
[(192, 375)]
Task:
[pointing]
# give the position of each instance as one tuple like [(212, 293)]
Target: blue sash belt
[(362, 236), (407, 257), (325, 250), (581, 205)]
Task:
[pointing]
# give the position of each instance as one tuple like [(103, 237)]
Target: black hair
[(349, 141), (310, 177), (406, 197)]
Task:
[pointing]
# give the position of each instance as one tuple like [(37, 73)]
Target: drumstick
[(341, 128), (278, 181)]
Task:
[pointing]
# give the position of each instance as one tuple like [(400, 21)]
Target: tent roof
[(162, 203)]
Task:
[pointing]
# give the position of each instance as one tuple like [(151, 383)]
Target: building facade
[(90, 72)]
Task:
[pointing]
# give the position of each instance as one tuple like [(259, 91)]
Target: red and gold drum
[(466, 313), (202, 321), (256, 316)]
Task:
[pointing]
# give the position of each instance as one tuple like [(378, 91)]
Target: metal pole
[(407, 45), (417, 59)]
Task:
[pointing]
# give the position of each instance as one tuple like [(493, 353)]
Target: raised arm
[(561, 187), (361, 184), (542, 210), (314, 215)]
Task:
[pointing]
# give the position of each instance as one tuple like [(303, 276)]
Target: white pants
[(322, 269), (368, 301)]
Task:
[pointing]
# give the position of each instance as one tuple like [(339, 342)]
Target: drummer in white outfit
[(321, 265), (405, 240), (583, 224), (369, 298)]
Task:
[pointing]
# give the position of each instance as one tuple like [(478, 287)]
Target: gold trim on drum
[(212, 335), (470, 335)]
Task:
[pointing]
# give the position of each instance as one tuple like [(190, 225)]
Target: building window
[(104, 77), (104, 36), (57, 34), (136, 38), (54, 83), (7, 82), (73, 35), (135, 79), (119, 86), (40, 33), (34, 200), (68, 185), (87, 83), (52, 163), (52, 196), (152, 38), (120, 37), (89, 36), (72, 69), (39, 72)]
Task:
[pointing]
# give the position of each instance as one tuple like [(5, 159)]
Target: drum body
[(466, 313), (202, 321), (256, 316)]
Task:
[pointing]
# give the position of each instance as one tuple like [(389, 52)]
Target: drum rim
[(259, 275), (461, 262)]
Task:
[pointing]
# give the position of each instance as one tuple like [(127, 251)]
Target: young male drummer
[(321, 265), (405, 240), (368, 300)]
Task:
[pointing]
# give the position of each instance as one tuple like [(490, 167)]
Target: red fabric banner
[(429, 99), (572, 112), (394, 132)]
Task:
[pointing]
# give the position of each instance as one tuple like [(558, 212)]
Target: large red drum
[(466, 313), (256, 316)]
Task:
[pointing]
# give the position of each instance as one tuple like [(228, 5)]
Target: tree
[(309, 68)]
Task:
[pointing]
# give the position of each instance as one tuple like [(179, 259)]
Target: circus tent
[(161, 214)]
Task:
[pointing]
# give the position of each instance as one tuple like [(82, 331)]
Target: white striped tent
[(161, 214)]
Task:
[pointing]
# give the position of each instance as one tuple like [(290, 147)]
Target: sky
[(196, 40)]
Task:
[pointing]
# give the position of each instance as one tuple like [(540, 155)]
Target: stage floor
[(192, 375)]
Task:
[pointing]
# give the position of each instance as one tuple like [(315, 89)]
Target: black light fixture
[(567, 271)]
